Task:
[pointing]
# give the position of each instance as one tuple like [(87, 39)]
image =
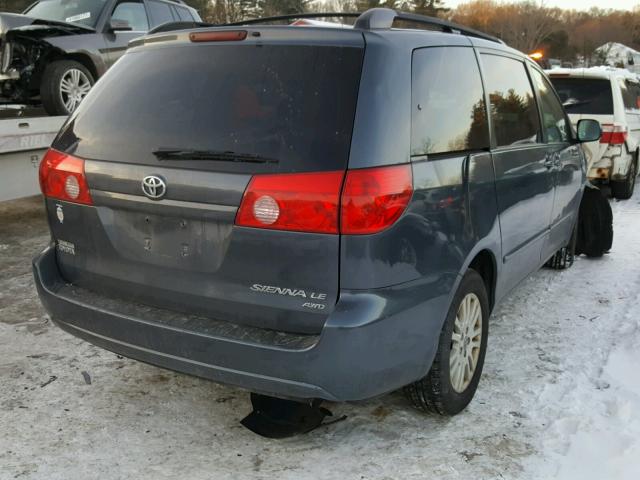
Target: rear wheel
[(595, 224), (64, 84), (623, 189), (453, 379)]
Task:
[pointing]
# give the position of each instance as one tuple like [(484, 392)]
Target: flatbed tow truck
[(25, 135)]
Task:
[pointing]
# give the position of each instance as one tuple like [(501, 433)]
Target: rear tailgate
[(254, 107)]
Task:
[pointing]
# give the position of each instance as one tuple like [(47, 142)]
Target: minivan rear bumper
[(372, 343)]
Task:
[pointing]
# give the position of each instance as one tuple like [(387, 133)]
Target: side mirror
[(116, 25), (589, 130)]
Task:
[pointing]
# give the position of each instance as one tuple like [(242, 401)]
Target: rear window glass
[(291, 104), (448, 110), (584, 95)]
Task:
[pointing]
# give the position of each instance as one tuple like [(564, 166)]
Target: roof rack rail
[(378, 19), (383, 18), (295, 16)]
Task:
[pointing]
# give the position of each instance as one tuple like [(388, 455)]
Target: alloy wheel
[(465, 342), (74, 86)]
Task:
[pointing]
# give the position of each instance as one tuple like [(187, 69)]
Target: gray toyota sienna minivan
[(309, 212)]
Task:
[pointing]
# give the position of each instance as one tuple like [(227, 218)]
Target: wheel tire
[(623, 190), (51, 93), (435, 392), (564, 258), (595, 224)]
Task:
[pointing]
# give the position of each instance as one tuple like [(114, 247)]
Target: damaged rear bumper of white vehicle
[(613, 165)]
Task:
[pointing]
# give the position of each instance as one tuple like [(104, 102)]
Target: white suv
[(611, 96)]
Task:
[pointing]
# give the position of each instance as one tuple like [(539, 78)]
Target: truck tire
[(623, 189), (449, 386), (595, 224), (64, 84)]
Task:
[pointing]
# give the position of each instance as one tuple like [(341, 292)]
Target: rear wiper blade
[(574, 103), (219, 155)]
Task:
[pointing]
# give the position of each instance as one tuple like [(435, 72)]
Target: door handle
[(552, 160)]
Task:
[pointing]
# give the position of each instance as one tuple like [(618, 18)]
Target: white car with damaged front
[(611, 96)]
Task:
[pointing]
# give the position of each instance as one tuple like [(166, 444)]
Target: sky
[(572, 4)]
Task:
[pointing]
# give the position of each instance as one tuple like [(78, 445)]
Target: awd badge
[(59, 213)]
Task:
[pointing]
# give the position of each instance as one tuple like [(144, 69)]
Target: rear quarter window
[(448, 109), (584, 95)]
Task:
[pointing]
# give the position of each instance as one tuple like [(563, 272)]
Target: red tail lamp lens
[(613, 134), (62, 177), (305, 202), (374, 198)]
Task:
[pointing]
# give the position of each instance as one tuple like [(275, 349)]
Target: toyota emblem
[(154, 187)]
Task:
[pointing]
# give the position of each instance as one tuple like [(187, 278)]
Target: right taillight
[(62, 177), (370, 200), (613, 134), (374, 198)]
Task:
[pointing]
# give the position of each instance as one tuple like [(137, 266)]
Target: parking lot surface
[(558, 397)]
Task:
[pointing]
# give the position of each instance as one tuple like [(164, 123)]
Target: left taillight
[(62, 177)]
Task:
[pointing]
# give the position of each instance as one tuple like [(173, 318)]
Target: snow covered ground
[(559, 397)]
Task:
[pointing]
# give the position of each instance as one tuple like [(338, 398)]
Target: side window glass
[(160, 13), (635, 88), (513, 108), (447, 102), (554, 121), (630, 94), (134, 13), (184, 14)]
